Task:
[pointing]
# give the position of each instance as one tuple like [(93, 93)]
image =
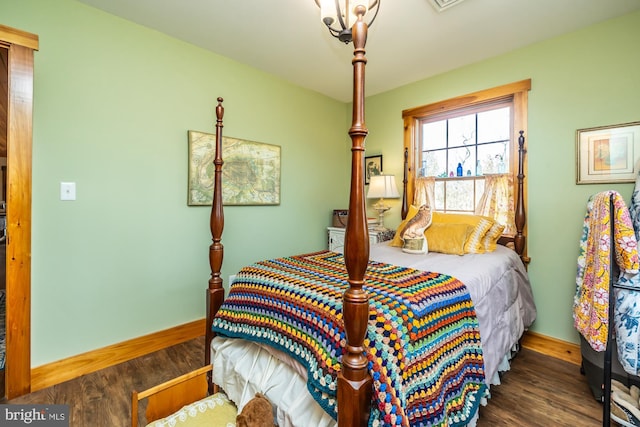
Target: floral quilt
[(591, 303)]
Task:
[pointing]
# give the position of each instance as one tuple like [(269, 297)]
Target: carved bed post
[(520, 214), (354, 381), (405, 181), (215, 291)]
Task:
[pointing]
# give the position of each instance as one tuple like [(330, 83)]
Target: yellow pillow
[(448, 238), (397, 239), (212, 411), (490, 240), (481, 224)]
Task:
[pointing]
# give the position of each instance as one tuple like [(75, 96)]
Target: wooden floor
[(538, 391)]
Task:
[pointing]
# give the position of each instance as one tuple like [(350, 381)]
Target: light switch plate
[(67, 191)]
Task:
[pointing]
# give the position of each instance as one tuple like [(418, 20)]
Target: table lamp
[(382, 187)]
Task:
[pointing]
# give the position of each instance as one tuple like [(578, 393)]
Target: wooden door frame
[(21, 46)]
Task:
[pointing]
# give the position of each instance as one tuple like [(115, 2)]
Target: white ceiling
[(409, 40)]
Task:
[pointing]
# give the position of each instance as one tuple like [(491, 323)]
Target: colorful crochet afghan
[(423, 340)]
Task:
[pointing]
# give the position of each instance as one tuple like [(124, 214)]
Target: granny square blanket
[(423, 340)]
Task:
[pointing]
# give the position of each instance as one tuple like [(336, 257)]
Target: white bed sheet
[(502, 296)]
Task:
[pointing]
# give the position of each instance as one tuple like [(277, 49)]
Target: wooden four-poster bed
[(367, 385), (370, 339)]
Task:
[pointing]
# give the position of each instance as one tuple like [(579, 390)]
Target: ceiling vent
[(441, 5)]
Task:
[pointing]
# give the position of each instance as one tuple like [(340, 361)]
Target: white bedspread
[(498, 285)]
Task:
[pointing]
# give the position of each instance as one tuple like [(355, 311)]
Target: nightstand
[(336, 237)]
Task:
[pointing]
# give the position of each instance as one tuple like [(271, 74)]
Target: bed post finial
[(215, 291), (354, 381)]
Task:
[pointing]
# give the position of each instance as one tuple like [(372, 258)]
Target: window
[(458, 148), (460, 140)]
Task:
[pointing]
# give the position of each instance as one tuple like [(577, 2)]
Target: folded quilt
[(627, 309), (591, 303), (422, 342)]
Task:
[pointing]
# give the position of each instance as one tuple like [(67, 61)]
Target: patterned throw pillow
[(212, 411), (490, 240)]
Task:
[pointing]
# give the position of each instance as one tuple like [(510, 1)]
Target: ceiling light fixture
[(441, 5), (339, 16)]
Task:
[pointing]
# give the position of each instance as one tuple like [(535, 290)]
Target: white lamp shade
[(328, 11), (383, 187)]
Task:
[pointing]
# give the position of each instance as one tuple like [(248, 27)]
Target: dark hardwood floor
[(541, 391), (538, 391)]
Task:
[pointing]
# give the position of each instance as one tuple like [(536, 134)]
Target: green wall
[(113, 104), (584, 79)]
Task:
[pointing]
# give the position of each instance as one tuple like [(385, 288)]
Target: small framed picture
[(608, 154), (372, 166)]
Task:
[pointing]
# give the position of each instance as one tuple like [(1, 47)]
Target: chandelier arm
[(377, 2), (333, 31), (343, 25)]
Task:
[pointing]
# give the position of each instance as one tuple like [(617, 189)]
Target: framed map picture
[(250, 172)]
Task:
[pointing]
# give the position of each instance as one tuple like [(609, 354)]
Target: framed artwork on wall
[(372, 166), (608, 154)]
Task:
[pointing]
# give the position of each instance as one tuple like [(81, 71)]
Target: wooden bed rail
[(215, 290)]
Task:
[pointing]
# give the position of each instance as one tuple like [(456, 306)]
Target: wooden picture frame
[(608, 154), (251, 171), (372, 166)]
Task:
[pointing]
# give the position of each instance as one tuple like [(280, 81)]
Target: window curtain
[(497, 201), (425, 192)]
